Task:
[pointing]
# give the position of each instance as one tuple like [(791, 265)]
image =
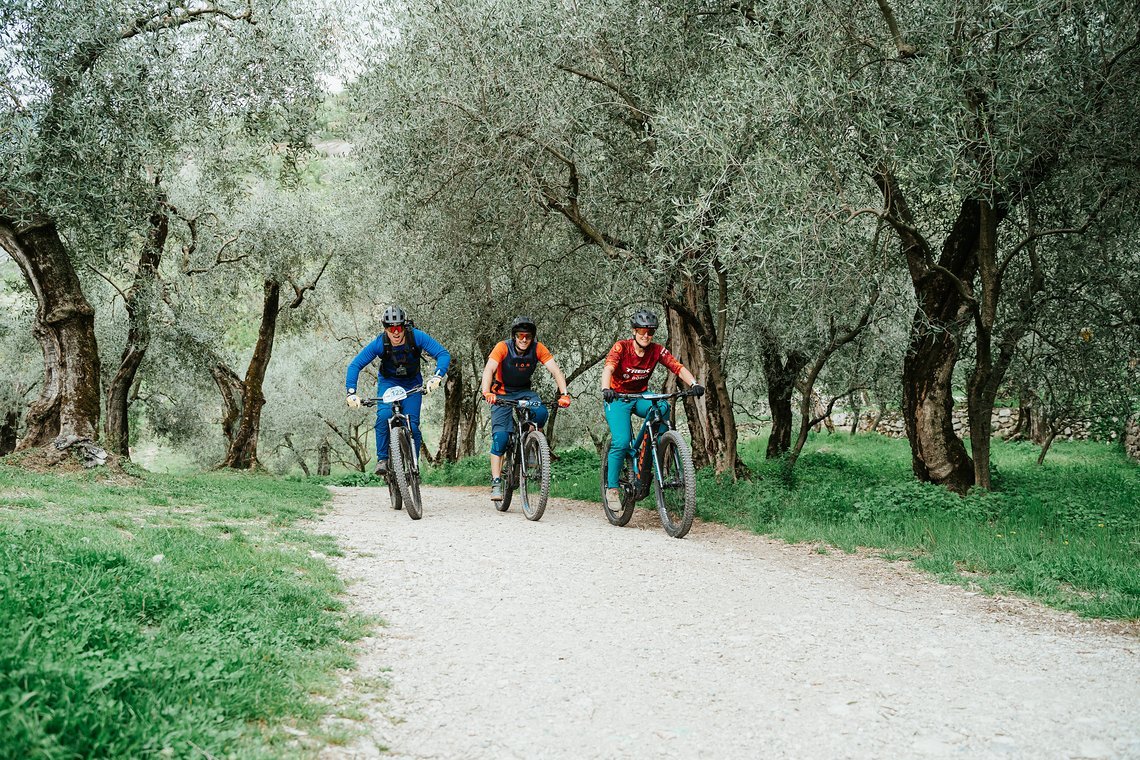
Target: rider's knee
[(499, 442)]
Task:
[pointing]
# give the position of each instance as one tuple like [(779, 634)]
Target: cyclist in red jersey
[(629, 365)]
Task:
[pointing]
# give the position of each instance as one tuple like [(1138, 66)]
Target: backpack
[(417, 352)]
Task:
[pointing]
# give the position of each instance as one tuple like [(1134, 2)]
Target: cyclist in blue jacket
[(399, 350)]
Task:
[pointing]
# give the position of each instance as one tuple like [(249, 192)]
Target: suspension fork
[(658, 470)]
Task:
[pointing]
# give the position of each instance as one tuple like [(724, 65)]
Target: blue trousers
[(502, 419), (411, 407), (619, 416)]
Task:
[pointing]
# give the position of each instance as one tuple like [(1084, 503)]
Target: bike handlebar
[(521, 403), (370, 402), (653, 396)]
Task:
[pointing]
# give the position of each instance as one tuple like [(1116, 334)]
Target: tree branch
[(176, 16), (640, 117), (905, 50), (1093, 214), (831, 405), (218, 259), (299, 292), (109, 282)]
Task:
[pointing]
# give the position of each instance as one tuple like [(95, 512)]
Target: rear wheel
[(535, 478), (625, 483), (402, 460), (508, 475), (394, 494), (676, 488)]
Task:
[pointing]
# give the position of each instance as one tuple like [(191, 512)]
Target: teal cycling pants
[(619, 418)]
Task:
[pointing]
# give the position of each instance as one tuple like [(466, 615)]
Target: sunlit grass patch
[(172, 617)]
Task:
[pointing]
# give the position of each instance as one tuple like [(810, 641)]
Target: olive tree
[(984, 130), (99, 100)]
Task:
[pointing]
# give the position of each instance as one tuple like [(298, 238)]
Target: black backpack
[(417, 352)]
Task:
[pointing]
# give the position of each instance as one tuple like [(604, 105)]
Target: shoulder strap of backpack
[(411, 331)]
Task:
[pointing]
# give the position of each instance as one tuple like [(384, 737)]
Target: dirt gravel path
[(569, 638)]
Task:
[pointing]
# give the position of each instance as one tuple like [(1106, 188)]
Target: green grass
[(1066, 533), (174, 616)]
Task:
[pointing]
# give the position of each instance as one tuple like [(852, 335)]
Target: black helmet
[(394, 315), (644, 318), (523, 324)]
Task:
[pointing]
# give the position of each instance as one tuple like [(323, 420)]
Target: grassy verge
[(1066, 533), (165, 616)]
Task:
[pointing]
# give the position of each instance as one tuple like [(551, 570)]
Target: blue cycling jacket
[(375, 350)]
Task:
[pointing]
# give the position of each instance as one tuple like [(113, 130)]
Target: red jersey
[(631, 372)]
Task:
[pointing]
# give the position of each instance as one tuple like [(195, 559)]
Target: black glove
[(609, 394), (697, 390)]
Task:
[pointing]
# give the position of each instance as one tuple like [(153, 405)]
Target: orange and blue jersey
[(516, 367)]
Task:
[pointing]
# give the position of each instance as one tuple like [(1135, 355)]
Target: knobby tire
[(625, 483), (394, 494), (508, 475), (402, 461), (535, 476), (676, 490)]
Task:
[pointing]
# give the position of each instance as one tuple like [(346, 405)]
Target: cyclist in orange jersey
[(507, 375)]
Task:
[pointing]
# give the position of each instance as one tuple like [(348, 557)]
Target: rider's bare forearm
[(559, 378)]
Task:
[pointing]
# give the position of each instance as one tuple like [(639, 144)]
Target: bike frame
[(403, 486), (394, 397), (531, 479), (649, 430), (522, 417)]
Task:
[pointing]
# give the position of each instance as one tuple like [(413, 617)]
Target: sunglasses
[(524, 336), (396, 328), (643, 331)]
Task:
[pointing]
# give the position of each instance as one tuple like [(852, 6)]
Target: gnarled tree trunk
[(452, 415), (8, 432), (780, 375), (937, 453), (230, 386), (242, 454), (68, 405), (942, 292), (138, 303), (694, 338), (324, 458)]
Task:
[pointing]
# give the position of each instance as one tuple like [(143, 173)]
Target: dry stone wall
[(1004, 423), (1132, 438)]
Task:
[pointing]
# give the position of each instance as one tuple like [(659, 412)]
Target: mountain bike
[(657, 456), (526, 462), (403, 474)]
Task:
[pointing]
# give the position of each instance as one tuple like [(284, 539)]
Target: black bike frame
[(399, 419), (522, 418)]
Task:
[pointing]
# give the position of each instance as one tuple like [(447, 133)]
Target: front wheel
[(535, 479), (625, 483), (402, 460), (675, 485)]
